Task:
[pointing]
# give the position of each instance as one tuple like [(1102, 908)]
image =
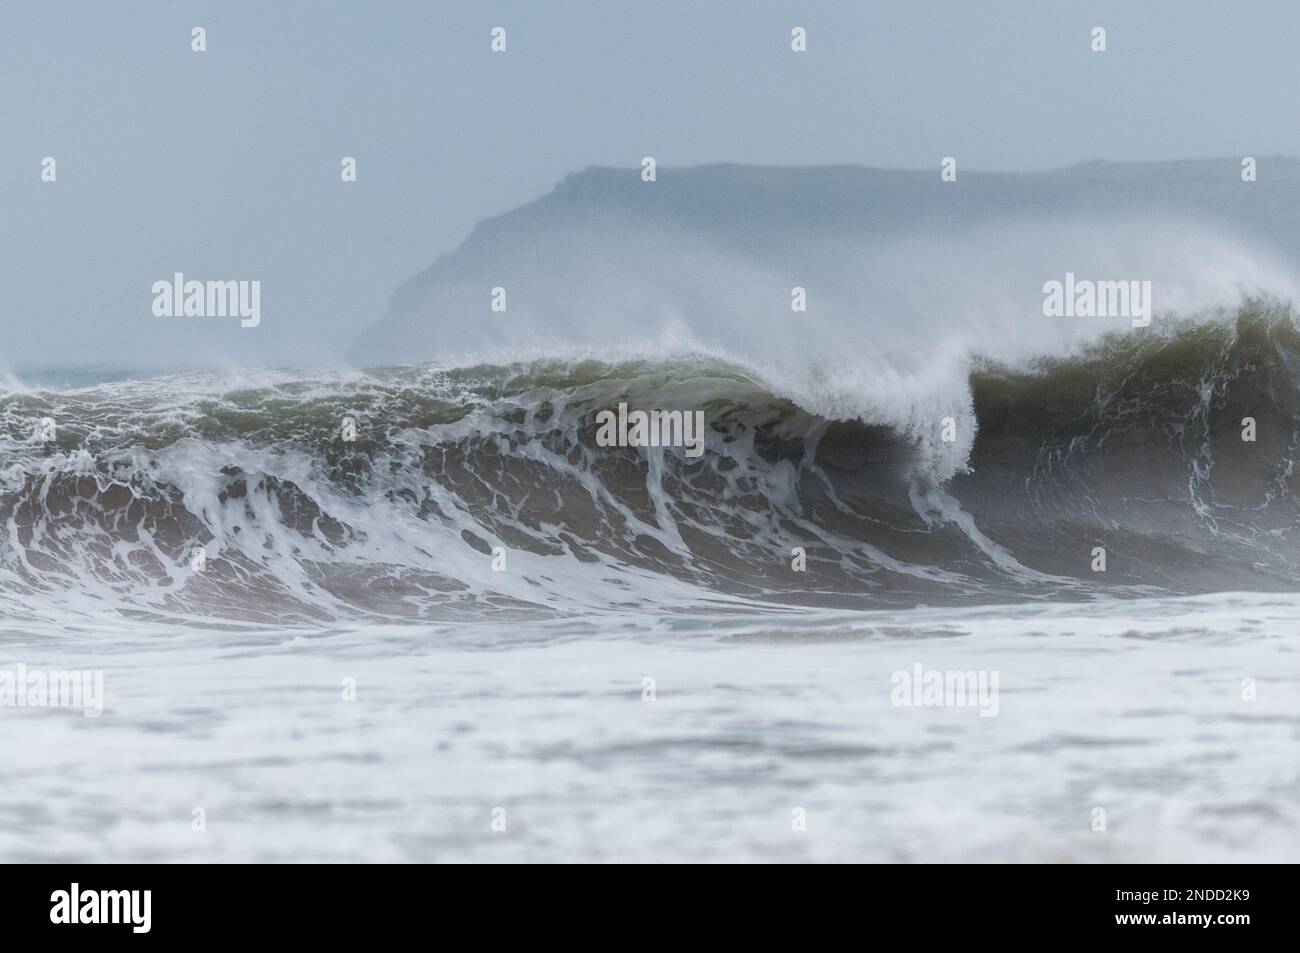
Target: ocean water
[(1135, 708), (420, 613)]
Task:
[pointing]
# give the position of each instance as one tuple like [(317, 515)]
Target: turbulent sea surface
[(647, 676)]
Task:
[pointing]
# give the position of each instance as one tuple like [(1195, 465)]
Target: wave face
[(1133, 444)]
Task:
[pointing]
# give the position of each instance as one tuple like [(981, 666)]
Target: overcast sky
[(225, 164)]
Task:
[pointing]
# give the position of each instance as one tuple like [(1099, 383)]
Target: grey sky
[(226, 164)]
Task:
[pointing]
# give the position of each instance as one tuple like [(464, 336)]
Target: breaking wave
[(1133, 443)]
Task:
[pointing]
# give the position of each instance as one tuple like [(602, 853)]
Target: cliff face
[(703, 253)]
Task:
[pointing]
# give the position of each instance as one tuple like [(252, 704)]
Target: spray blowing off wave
[(483, 492), (855, 293)]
